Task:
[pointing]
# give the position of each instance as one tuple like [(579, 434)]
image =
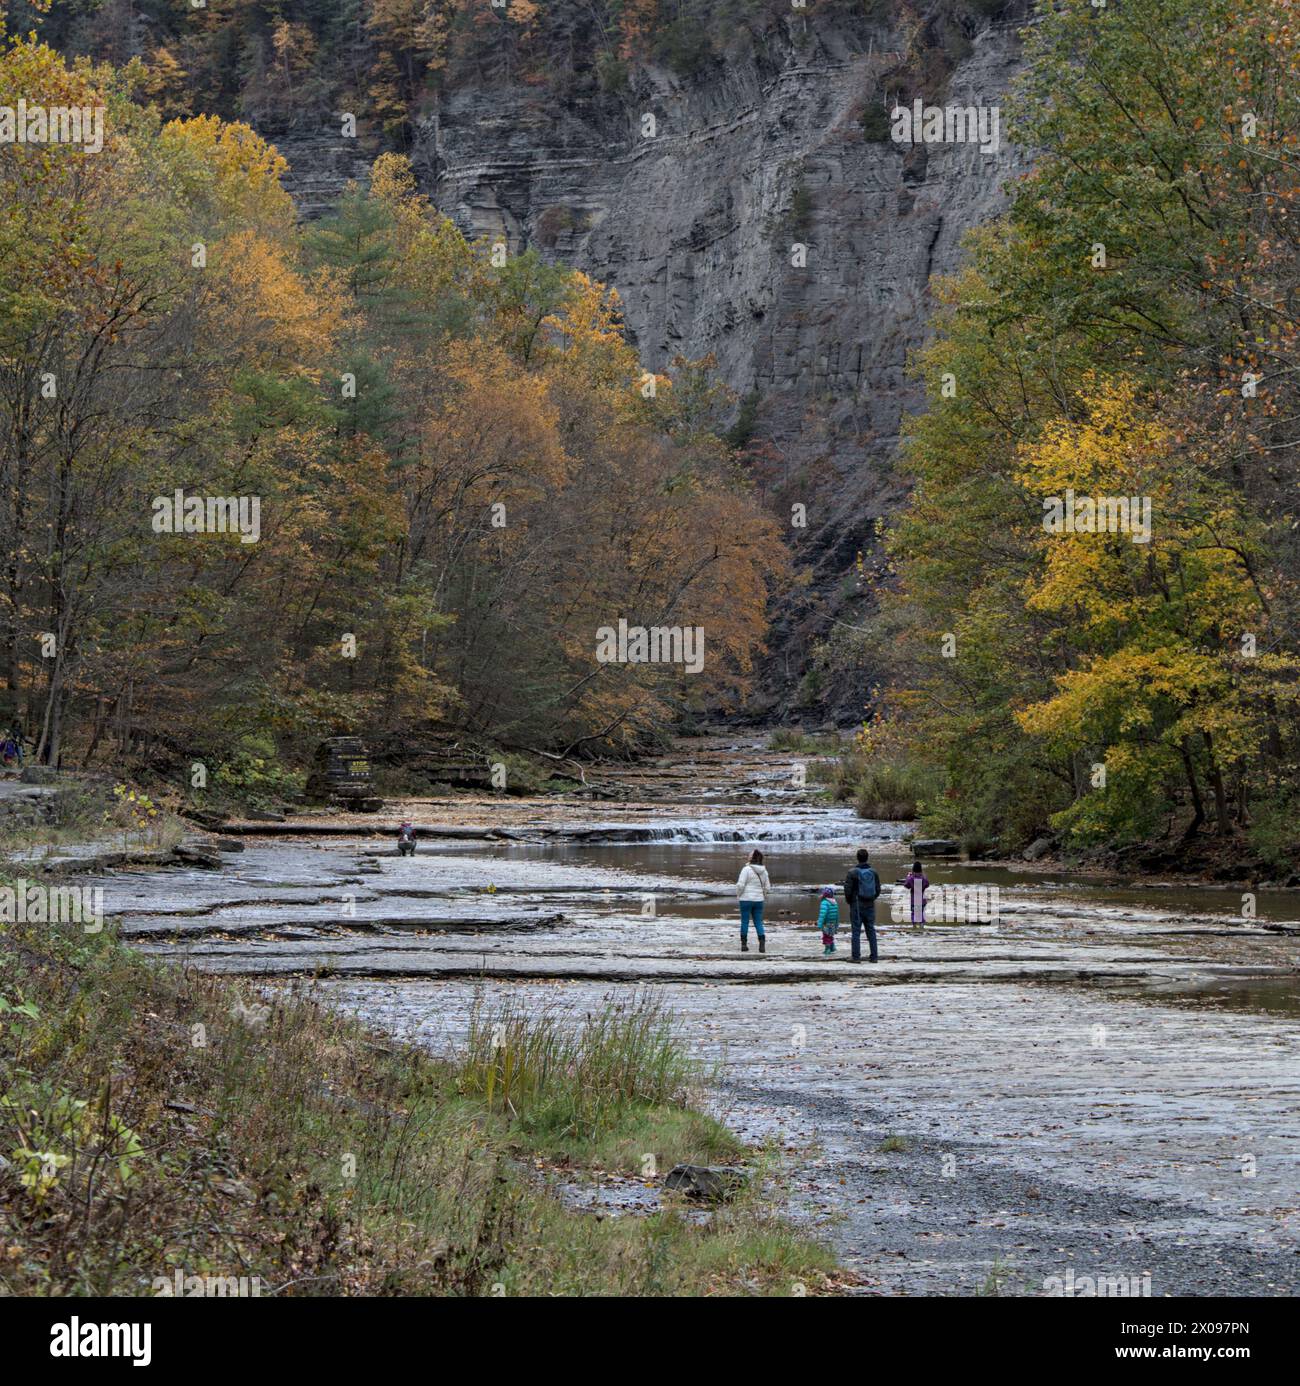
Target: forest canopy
[(455, 466), (293, 64)]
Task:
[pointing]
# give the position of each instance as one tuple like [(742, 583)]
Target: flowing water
[(1102, 1079)]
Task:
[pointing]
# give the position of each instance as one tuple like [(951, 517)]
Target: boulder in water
[(936, 847)]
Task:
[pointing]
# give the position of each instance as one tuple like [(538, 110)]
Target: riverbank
[(1102, 1079), (728, 778), (881, 786), (158, 1122)]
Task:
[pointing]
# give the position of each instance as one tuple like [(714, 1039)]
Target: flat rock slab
[(475, 916), (425, 957), (95, 857), (944, 1139), (330, 827), (20, 792), (311, 908)]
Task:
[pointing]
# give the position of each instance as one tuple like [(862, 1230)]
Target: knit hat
[(828, 893)]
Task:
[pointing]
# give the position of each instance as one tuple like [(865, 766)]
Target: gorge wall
[(783, 140)]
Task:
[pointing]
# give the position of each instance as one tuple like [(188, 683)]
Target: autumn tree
[(1126, 326)]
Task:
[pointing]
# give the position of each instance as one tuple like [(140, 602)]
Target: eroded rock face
[(696, 227), (321, 164)]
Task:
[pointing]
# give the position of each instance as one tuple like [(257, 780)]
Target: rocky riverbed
[(1103, 1079)]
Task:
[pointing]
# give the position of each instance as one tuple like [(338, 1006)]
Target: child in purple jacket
[(917, 883)]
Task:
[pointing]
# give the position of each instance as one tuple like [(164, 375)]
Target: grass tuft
[(154, 1119)]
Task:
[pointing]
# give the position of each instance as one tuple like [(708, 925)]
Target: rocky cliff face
[(697, 219)]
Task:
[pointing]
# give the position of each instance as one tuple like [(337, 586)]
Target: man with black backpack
[(861, 891)]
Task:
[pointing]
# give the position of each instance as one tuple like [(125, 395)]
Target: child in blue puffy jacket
[(828, 920)]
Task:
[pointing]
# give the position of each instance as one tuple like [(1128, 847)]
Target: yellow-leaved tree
[(1146, 561)]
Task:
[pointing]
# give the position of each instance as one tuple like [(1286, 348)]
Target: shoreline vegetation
[(156, 1120), (1120, 343), (896, 787)]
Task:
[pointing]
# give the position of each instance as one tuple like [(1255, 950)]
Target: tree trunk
[(1197, 802), (1221, 814)]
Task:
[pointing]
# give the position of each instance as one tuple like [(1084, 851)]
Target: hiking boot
[(762, 945), (744, 947)]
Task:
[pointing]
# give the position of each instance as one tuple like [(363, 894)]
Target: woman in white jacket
[(751, 888)]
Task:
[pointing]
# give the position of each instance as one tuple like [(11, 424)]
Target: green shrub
[(252, 773), (956, 46), (569, 1081), (875, 122), (684, 45), (887, 791), (799, 219), (885, 787), (805, 743), (810, 688), (1274, 835), (977, 845), (741, 432), (611, 72)]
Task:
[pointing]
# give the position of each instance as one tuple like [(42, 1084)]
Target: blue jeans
[(864, 917), (748, 908)]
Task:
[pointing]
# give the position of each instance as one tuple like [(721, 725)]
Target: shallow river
[(1103, 1080)]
